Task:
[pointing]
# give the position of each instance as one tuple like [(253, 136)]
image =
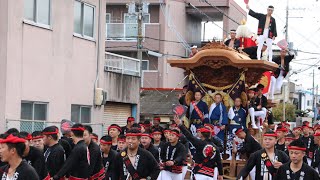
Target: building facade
[(170, 27), (53, 62)]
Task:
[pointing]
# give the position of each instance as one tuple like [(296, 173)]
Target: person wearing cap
[(207, 156), (194, 51), (130, 122), (172, 158), (108, 155), (198, 112), (259, 108), (77, 164), (121, 143), (267, 30), (296, 168), (114, 130), (37, 140), (281, 133), (34, 157), (316, 156), (156, 124), (134, 162), (308, 141), (146, 143), (233, 42), (277, 76), (296, 131), (218, 115), (96, 169), (54, 155), (267, 160), (12, 148)]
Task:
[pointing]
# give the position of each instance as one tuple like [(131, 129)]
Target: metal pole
[(284, 104), (287, 86), (287, 21), (139, 40), (313, 97)]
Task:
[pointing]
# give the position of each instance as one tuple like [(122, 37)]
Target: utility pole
[(286, 89), (313, 97), (139, 38)]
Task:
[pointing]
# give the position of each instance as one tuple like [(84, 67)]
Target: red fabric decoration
[(12, 139), (268, 163)]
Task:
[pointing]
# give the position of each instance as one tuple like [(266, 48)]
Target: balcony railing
[(121, 64), (122, 31)]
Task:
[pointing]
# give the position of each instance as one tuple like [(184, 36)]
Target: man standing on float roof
[(267, 30)]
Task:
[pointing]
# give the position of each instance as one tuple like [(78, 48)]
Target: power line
[(218, 9)]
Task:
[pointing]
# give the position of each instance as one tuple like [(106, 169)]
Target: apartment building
[(53, 66)]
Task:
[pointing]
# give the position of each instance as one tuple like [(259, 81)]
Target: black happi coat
[(54, 158), (316, 158), (263, 101), (287, 60), (66, 146), (154, 151), (251, 51), (262, 21), (216, 141), (236, 43), (309, 143), (95, 159), (250, 145), (23, 172), (200, 145), (281, 147), (108, 163), (147, 166), (36, 159), (305, 173), (177, 153), (77, 164), (255, 160)]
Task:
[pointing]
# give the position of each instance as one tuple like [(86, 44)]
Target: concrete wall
[(3, 60), (122, 88), (50, 65)]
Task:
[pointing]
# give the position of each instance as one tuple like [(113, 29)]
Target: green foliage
[(302, 113), (290, 112)]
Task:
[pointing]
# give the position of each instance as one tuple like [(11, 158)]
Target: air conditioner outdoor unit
[(98, 101)]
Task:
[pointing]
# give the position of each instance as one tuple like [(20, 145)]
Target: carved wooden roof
[(218, 65)]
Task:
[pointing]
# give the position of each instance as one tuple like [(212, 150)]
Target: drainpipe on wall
[(98, 54)]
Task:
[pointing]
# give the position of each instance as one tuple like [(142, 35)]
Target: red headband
[(105, 142), (270, 135), (305, 127), (165, 131), (130, 119), (51, 133), (146, 135), (156, 132), (296, 148), (156, 119), (94, 137), (172, 132), (249, 91), (146, 125), (77, 129), (317, 134), (116, 127), (121, 140), (239, 131), (282, 129), (299, 128), (204, 130), (29, 137), (37, 137), (12, 139), (133, 134)]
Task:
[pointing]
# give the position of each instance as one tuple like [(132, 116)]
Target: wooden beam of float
[(219, 65)]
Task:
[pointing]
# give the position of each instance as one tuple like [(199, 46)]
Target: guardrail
[(121, 64)]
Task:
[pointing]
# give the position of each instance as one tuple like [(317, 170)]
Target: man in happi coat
[(218, 115)]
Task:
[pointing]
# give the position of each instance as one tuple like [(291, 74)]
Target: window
[(145, 64), (38, 11), (80, 114), (308, 103), (35, 111), (84, 19), (108, 17)]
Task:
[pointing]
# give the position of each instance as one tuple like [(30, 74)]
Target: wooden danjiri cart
[(217, 68)]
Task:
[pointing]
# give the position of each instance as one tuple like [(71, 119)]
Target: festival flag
[(236, 90), (265, 80)]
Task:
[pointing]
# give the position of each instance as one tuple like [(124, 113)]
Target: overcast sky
[(304, 32)]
